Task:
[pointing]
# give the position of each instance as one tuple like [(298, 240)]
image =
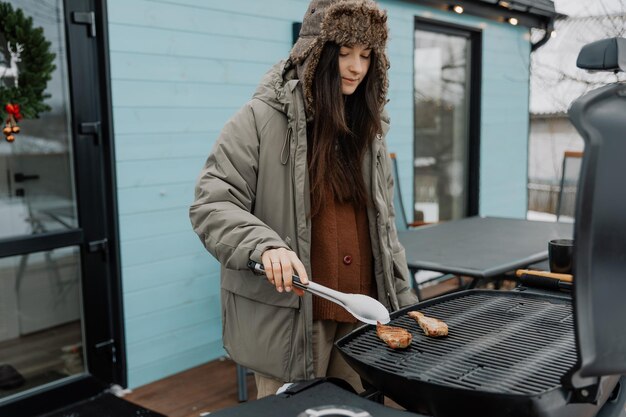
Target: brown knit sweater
[(341, 256)]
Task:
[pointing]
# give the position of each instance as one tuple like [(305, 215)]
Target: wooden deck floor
[(192, 393)]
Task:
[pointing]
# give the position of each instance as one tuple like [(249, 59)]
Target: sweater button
[(347, 259)]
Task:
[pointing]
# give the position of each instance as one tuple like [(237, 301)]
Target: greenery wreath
[(27, 93)]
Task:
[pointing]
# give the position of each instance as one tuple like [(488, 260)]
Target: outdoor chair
[(402, 224), (566, 200), (242, 382), (401, 221)]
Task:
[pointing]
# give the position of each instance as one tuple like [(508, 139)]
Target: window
[(446, 121)]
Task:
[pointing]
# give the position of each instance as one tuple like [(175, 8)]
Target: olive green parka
[(253, 195)]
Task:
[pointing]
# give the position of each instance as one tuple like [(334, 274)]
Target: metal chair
[(566, 198), (242, 382), (403, 224), (401, 221), (570, 172)]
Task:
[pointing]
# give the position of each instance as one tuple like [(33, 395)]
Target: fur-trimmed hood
[(345, 22)]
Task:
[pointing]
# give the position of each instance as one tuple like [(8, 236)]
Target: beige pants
[(327, 360)]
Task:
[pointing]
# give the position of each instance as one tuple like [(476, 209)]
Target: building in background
[(97, 257), (555, 83)]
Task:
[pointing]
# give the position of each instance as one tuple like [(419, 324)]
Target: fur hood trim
[(345, 22)]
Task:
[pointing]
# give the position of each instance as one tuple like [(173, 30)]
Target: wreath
[(22, 87)]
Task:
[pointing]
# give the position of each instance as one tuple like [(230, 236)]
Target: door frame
[(474, 36), (98, 231)]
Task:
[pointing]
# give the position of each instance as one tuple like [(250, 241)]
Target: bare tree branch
[(615, 29)]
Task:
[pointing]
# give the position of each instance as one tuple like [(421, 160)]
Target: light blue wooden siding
[(504, 114), (179, 70)]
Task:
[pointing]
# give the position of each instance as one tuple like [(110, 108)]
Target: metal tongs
[(362, 307)]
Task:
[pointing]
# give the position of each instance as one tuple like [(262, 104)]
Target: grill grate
[(496, 343)]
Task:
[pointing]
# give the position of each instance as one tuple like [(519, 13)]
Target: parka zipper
[(289, 147), (383, 229), (302, 308)]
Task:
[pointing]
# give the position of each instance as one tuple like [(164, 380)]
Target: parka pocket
[(405, 296), (256, 287), (400, 267), (259, 336), (381, 192)]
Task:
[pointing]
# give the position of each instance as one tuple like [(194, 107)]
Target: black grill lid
[(600, 230)]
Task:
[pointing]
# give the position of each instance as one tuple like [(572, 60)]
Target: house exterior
[(162, 78), (179, 71)]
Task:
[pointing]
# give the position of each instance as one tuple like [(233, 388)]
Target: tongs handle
[(312, 287), (362, 307), (259, 269)]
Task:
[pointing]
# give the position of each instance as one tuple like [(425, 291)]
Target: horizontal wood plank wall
[(180, 69)]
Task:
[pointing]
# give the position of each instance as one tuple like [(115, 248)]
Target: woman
[(299, 180)]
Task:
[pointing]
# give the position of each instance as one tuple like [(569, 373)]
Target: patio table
[(480, 247)]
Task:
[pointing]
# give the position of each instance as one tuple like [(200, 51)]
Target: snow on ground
[(547, 217)]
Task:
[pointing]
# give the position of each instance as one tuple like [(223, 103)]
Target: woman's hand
[(279, 267)]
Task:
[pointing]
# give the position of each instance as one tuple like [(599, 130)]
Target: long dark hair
[(344, 127)]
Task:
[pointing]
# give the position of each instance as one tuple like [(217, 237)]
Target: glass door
[(41, 337), (447, 119), (60, 313)]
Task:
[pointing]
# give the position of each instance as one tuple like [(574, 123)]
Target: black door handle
[(91, 128), (21, 177)]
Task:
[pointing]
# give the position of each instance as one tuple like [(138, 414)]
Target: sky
[(590, 7)]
